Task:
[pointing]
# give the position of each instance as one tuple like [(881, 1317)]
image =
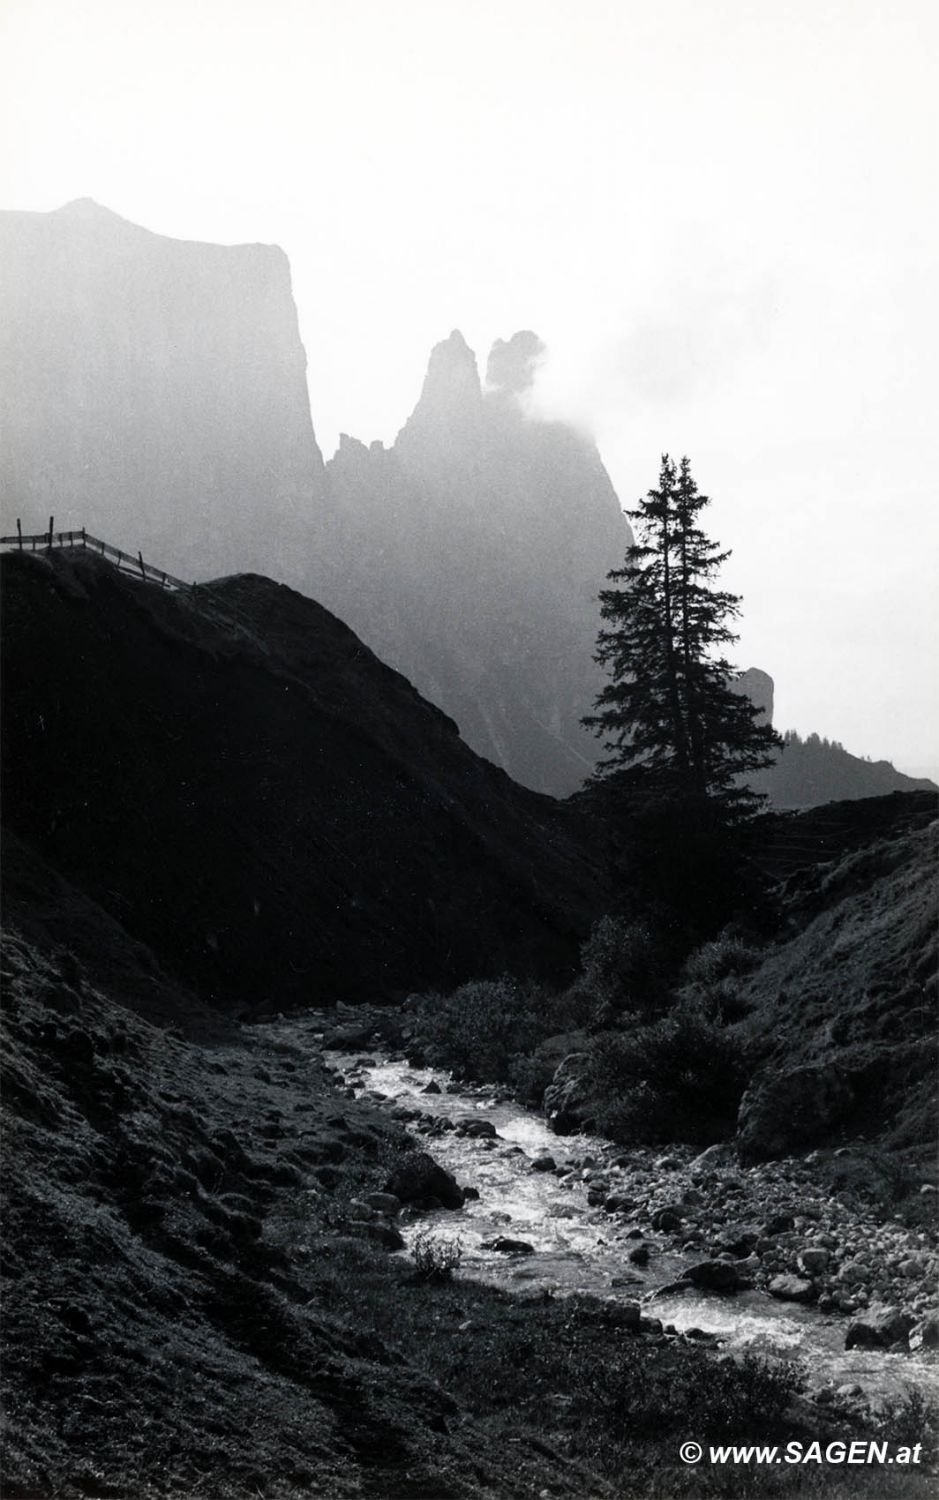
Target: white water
[(583, 1249)]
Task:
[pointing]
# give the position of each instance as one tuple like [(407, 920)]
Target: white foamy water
[(579, 1248)]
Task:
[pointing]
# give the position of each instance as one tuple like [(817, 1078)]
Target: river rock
[(544, 1163), (879, 1327), (619, 1203), (812, 1261), (432, 1088), (668, 1218), (505, 1246), (639, 1256), (925, 1334), (417, 1176), (714, 1276), (472, 1125), (737, 1239), (568, 1104), (791, 1289), (711, 1160)]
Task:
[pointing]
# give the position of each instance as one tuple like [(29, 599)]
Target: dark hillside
[(247, 790)]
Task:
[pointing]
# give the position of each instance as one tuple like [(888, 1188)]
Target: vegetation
[(670, 705), (435, 1256), (679, 1078)]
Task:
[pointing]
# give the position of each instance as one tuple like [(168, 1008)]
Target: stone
[(432, 1088), (544, 1164), (470, 1194), (639, 1256), (714, 1276), (418, 1176), (619, 1203), (506, 1246), (812, 1261), (925, 1333), (668, 1219), (791, 1289), (878, 1327), (474, 1125), (719, 1155)]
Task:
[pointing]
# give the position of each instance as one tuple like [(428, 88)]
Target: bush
[(680, 1078), (622, 965), (435, 1258), (479, 1031), (726, 957)]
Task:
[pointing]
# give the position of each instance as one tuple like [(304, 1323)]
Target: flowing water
[(579, 1248)]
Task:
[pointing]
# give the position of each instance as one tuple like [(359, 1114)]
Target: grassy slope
[(853, 982)]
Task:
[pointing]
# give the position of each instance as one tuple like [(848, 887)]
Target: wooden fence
[(46, 540)]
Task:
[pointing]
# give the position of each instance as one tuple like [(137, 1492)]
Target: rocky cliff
[(158, 393), (471, 554)]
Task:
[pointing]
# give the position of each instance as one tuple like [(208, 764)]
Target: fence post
[(19, 533), (84, 542), (51, 524), (143, 571)]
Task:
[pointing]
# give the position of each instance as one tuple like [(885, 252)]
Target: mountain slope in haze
[(471, 555), (156, 393), (811, 771), (239, 782)]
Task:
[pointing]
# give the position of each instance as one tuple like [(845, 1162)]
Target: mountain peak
[(452, 392)]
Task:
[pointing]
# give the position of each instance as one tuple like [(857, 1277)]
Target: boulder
[(506, 1246), (878, 1327), (639, 1256), (711, 1160), (473, 1125), (813, 1260), (669, 1218), (925, 1334), (543, 1164), (568, 1104), (348, 1038), (714, 1276), (432, 1088), (792, 1289), (789, 1109), (417, 1176)]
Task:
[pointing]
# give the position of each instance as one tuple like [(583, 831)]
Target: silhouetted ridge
[(238, 781)]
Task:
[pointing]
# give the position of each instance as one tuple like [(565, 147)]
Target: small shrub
[(680, 1078), (435, 1257), (622, 965), (726, 957)]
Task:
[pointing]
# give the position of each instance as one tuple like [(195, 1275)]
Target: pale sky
[(720, 215)]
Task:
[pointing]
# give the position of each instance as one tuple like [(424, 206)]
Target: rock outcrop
[(470, 555), (155, 393)]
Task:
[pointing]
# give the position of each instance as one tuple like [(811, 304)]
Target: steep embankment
[(236, 780), (842, 1007)]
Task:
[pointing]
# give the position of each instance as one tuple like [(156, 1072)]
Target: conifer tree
[(670, 706)]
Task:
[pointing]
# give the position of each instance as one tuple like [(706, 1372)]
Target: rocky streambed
[(770, 1258)]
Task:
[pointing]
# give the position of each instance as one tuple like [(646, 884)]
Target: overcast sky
[(719, 214)]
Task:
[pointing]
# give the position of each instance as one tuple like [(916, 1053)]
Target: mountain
[(471, 554), (159, 400), (158, 393), (811, 771), (234, 778)]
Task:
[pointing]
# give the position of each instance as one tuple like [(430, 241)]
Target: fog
[(718, 216)]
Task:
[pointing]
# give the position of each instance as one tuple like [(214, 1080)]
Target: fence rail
[(46, 540)]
